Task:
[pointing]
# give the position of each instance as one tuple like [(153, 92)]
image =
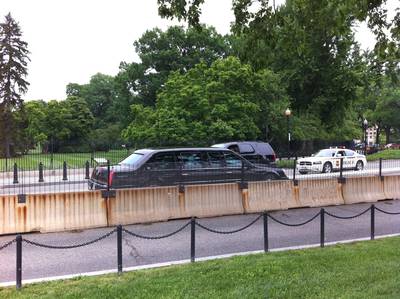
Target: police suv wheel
[(327, 168), (359, 165)]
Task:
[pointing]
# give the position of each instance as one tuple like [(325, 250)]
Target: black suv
[(148, 167), (255, 151)]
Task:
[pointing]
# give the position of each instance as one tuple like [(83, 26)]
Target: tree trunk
[(387, 132)]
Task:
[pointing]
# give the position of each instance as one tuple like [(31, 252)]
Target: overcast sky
[(71, 40)]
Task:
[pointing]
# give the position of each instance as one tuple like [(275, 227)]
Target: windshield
[(132, 159), (325, 153)]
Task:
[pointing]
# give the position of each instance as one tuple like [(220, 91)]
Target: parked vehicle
[(392, 146), (254, 151), (163, 167), (328, 160)]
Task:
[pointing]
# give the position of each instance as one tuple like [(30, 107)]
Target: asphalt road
[(40, 262)]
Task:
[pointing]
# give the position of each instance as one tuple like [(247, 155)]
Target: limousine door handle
[(185, 174), (229, 172)]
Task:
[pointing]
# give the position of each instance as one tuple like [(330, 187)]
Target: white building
[(371, 135)]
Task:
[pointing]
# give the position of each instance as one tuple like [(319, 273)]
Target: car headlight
[(319, 162)]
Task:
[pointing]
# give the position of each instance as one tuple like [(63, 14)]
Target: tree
[(98, 93), (13, 70), (36, 117), (227, 100), (311, 44), (387, 111), (58, 125), (161, 53)]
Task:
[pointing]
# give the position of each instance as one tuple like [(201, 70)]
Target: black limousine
[(165, 167)]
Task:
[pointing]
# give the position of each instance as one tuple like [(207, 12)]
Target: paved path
[(39, 262)]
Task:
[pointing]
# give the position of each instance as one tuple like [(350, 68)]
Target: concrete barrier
[(320, 192), (391, 186), (144, 205), (10, 215), (213, 200), (268, 196), (65, 211), (363, 189), (82, 210), (52, 212)]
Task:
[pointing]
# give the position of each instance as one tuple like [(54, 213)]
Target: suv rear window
[(246, 148)]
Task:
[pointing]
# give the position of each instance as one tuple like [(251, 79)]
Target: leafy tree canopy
[(227, 100), (161, 52)]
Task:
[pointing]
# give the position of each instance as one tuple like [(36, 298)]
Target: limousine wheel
[(303, 172)]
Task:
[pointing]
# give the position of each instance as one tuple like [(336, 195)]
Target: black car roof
[(149, 150)]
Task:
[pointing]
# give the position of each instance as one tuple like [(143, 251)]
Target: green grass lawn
[(285, 163), (361, 270), (74, 160), (385, 154)]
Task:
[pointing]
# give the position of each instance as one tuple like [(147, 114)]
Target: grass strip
[(385, 155), (360, 270), (56, 160)]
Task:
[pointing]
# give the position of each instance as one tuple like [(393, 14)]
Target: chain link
[(228, 232), (296, 224), (386, 212), (7, 244), (69, 246), (347, 217), (156, 237)]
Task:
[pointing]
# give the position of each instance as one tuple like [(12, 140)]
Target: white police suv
[(328, 160)]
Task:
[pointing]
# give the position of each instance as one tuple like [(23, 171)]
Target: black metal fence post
[(372, 222), (41, 172), (192, 239), (65, 178), (294, 169), (265, 220), (15, 180), (380, 168), (19, 262), (87, 170), (322, 228), (108, 175), (341, 170), (92, 158), (119, 248)]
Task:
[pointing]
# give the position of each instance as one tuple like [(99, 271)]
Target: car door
[(162, 170), (233, 170), (216, 160), (351, 160), (340, 155), (194, 167)]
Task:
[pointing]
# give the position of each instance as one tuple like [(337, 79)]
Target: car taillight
[(273, 158), (110, 177)]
